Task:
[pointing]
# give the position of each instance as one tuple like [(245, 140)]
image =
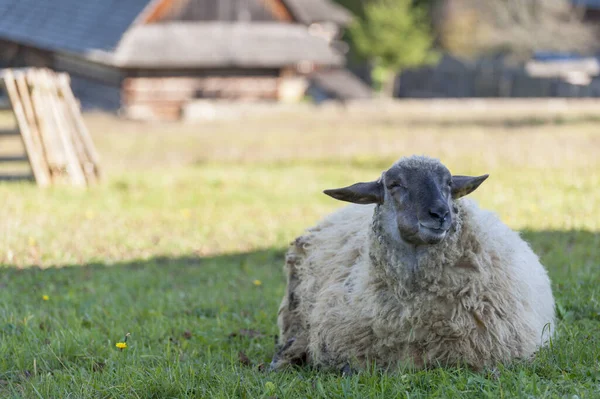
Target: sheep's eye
[(395, 185), (450, 183)]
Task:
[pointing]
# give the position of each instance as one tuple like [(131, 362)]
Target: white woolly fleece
[(478, 298)]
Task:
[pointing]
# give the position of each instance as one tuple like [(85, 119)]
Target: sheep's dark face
[(415, 196), (419, 202)]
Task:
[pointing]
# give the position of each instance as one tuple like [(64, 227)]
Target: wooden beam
[(279, 10), (104, 74), (13, 158), (16, 176), (81, 131), (9, 132), (39, 170), (74, 169), (35, 153), (40, 97)]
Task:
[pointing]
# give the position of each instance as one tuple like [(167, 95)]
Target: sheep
[(412, 275)]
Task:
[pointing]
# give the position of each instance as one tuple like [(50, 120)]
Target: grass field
[(182, 246)]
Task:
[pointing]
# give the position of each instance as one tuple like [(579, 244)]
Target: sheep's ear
[(359, 193), (463, 185)]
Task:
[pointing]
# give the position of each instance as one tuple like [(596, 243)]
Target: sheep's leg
[(288, 354), (293, 340)]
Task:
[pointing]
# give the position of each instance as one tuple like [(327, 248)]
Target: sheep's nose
[(439, 214)]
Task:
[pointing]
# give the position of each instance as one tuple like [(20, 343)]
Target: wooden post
[(36, 161), (54, 154), (62, 129), (80, 127), (23, 89)]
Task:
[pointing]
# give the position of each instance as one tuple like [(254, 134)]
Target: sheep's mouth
[(432, 235)]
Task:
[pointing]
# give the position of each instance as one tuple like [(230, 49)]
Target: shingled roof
[(68, 25), (311, 11), (217, 44), (107, 31)]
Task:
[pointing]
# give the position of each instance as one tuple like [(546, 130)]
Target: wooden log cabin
[(149, 58)]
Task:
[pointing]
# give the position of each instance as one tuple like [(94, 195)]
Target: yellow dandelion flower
[(257, 283), (123, 345), (45, 297)]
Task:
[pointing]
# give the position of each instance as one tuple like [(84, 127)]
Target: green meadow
[(182, 247)]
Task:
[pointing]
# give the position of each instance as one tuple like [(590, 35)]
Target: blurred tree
[(393, 34), (357, 6), (518, 28)]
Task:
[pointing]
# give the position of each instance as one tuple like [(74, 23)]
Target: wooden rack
[(57, 144)]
